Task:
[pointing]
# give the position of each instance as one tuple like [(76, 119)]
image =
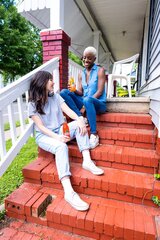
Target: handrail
[(10, 94)]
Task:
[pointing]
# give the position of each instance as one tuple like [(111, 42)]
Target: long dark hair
[(37, 89)]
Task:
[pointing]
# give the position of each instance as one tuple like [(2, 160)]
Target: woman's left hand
[(82, 126)]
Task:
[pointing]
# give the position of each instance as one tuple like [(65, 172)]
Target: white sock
[(66, 183), (86, 156)]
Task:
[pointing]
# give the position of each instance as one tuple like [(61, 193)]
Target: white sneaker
[(76, 202), (94, 141), (90, 166)]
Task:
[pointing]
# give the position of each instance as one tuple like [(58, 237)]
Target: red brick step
[(138, 138), (127, 120), (120, 157), (106, 219), (116, 184)]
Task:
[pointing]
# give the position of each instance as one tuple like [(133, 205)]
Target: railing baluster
[(12, 123), (56, 80), (2, 137), (27, 96), (74, 70), (21, 113)]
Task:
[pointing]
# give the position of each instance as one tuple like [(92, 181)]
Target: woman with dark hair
[(46, 110)]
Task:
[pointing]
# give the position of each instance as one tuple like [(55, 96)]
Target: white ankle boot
[(90, 166), (94, 141), (76, 202)]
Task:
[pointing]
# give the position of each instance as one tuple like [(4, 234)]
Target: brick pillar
[(55, 44), (158, 146)]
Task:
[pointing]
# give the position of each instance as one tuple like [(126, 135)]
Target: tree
[(75, 58), (7, 3), (20, 45)]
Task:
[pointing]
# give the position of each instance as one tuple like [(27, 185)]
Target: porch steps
[(120, 200), (128, 105), (116, 184), (106, 219)]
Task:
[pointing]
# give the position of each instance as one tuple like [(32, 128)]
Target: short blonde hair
[(90, 50)]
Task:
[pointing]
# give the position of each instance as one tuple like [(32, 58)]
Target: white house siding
[(151, 86)]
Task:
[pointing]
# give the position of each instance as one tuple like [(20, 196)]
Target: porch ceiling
[(119, 21)]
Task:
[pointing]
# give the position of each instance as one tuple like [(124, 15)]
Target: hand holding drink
[(65, 128), (65, 137), (71, 85)]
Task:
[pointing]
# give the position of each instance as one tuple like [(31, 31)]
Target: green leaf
[(156, 200), (157, 176)]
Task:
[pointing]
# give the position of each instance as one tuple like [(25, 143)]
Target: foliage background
[(20, 45)]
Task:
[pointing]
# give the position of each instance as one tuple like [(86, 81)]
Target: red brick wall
[(158, 146), (55, 44)]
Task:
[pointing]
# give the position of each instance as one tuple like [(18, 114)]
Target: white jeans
[(60, 149)]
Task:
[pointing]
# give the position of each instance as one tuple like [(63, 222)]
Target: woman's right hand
[(72, 88), (63, 138), (81, 125)]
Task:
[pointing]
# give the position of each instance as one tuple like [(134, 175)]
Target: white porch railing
[(13, 93), (8, 96), (74, 70)]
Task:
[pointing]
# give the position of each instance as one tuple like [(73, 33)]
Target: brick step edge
[(126, 118), (125, 125), (106, 219), (119, 157), (138, 138), (115, 184)]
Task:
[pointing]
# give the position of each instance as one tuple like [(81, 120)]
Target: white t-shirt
[(53, 117)]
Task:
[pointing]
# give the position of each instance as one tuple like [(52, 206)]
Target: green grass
[(7, 126), (13, 177), (2, 213)]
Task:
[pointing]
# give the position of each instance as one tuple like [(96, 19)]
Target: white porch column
[(96, 41), (108, 54), (57, 14)]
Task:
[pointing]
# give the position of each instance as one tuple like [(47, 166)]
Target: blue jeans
[(92, 105), (60, 149)]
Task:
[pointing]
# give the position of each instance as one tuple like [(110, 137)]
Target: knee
[(64, 92), (62, 148), (87, 100)]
